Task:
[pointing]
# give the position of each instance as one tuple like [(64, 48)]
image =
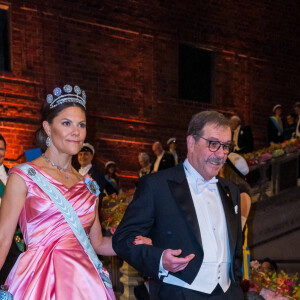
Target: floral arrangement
[(113, 209), (273, 285), (273, 151)]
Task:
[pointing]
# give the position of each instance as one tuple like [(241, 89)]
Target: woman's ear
[(46, 127)]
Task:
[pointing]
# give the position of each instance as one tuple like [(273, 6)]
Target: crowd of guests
[(163, 159), (283, 127), (280, 128)]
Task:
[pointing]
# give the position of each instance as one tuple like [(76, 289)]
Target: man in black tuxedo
[(193, 219), (14, 251), (241, 136), (164, 160), (85, 157), (297, 111)]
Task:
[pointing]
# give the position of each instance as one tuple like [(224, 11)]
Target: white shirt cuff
[(162, 272)]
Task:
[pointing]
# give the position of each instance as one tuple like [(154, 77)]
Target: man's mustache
[(216, 160)]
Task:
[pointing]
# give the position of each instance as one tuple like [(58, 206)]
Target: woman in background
[(144, 161), (111, 176)]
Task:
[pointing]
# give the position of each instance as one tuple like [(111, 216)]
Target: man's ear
[(190, 141), (46, 127)]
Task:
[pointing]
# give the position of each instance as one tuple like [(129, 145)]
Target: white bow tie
[(202, 184)]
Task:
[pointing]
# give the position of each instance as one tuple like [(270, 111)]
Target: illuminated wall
[(125, 55)]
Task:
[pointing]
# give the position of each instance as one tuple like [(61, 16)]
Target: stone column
[(130, 278)]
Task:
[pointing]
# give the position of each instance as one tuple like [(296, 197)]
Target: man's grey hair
[(235, 117), (144, 156), (203, 118)]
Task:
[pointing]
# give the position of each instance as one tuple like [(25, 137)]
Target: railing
[(271, 177)]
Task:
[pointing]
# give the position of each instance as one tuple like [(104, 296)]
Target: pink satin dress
[(55, 266)]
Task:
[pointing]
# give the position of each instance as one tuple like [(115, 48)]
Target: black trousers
[(168, 291)]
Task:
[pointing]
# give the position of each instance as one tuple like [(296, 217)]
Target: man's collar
[(237, 129), (191, 170), (86, 167), (162, 154)]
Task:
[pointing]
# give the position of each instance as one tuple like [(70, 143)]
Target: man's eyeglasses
[(214, 146)]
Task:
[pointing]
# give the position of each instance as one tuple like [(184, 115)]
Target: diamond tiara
[(64, 95)]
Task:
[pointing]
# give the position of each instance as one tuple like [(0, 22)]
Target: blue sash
[(114, 185), (70, 216), (275, 123)]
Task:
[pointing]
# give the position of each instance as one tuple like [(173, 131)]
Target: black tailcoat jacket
[(245, 140), (167, 161), (163, 209)]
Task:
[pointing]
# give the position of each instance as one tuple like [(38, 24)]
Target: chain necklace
[(56, 166)]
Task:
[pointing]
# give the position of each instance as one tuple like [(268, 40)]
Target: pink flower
[(270, 295), (289, 282)]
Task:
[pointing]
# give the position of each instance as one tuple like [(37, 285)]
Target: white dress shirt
[(84, 170), (211, 218), (157, 162)]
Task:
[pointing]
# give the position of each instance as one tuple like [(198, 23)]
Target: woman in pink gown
[(55, 265)]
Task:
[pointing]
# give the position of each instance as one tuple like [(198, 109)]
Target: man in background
[(297, 112), (164, 160), (241, 136), (85, 157)]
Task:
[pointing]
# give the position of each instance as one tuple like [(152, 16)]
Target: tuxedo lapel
[(229, 210), (90, 172), (181, 193)]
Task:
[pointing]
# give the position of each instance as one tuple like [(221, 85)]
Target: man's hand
[(174, 264)]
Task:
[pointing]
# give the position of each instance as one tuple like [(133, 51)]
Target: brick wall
[(125, 53)]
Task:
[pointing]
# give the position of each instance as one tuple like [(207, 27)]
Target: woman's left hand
[(139, 240)]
